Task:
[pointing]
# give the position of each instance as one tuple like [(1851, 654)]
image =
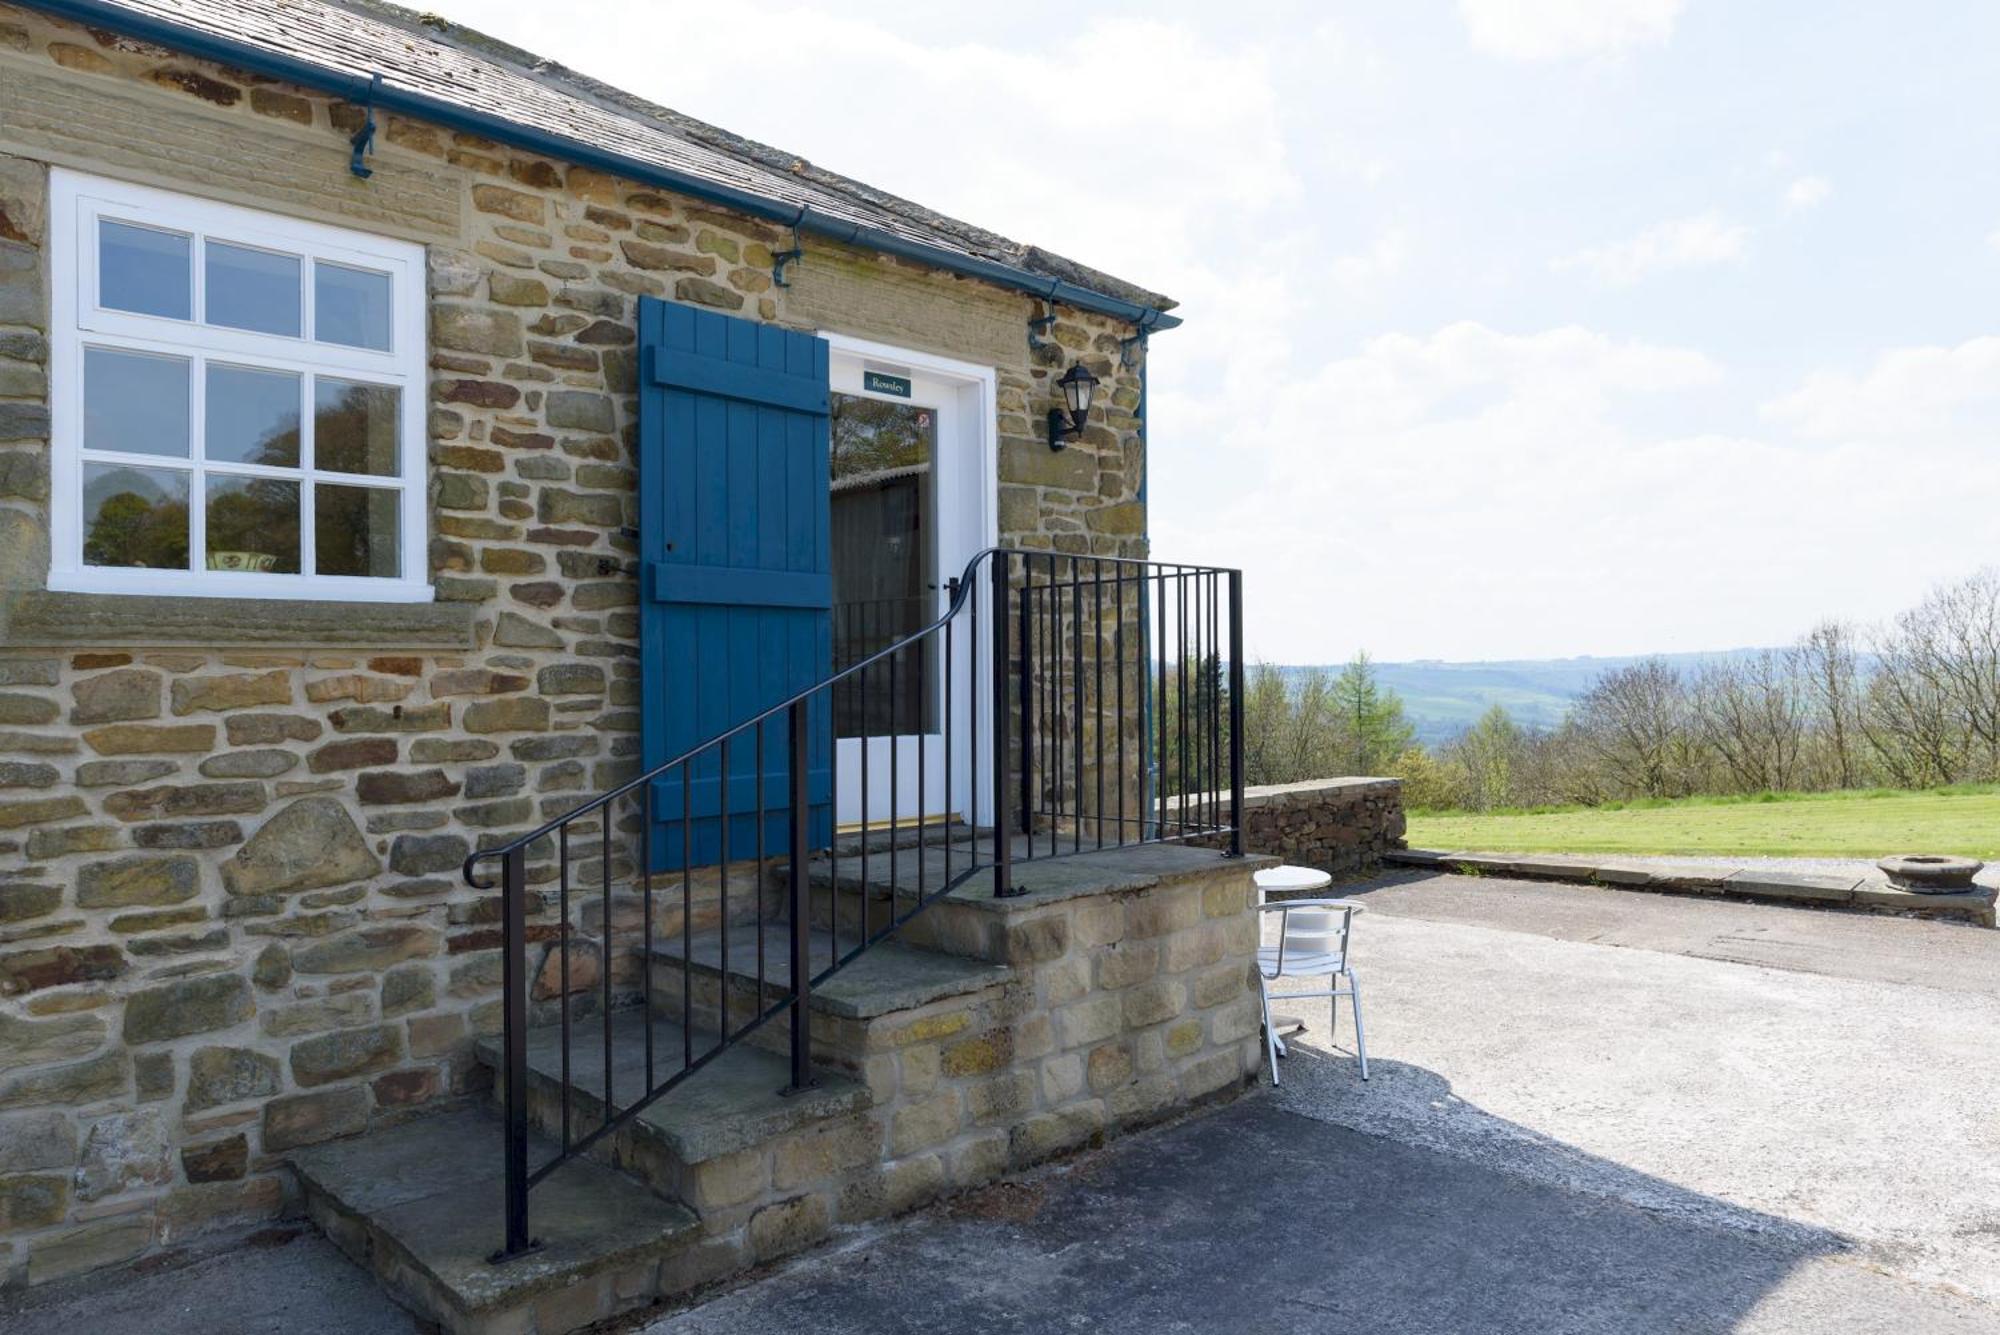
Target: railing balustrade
[(1062, 704)]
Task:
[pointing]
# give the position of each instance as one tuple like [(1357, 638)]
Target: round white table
[(1288, 880)]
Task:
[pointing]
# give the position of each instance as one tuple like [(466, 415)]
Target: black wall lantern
[(1077, 385)]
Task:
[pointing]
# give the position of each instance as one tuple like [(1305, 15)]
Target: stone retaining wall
[(1336, 825)]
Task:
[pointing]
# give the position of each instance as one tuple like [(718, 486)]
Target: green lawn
[(1870, 824)]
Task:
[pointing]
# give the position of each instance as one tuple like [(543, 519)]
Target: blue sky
[(1514, 327)]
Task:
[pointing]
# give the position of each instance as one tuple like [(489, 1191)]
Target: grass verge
[(1869, 823)]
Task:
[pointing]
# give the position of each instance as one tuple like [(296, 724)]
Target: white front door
[(910, 496)]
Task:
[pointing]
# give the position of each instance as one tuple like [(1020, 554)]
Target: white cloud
[(1912, 396), (1464, 493), (1684, 243), (1561, 29), (1993, 238), (1808, 192), (1383, 259)]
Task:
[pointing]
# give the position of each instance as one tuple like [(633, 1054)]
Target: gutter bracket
[(363, 141), (1041, 324), (793, 256), (1125, 346), (1140, 332)]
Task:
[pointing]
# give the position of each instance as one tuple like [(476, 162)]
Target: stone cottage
[(327, 490)]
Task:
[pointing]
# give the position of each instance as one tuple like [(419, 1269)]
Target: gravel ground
[(1780, 1101)]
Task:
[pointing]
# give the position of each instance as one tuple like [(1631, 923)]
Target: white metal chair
[(1313, 939)]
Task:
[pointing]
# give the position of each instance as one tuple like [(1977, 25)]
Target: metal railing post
[(1026, 778), (798, 743), (514, 1021), (1003, 819), (1236, 713)]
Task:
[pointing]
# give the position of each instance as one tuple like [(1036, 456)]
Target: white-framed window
[(237, 401)]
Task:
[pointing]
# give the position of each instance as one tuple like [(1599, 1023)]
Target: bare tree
[(1829, 671), (1752, 715), (1911, 720), (1635, 721), (1965, 630)]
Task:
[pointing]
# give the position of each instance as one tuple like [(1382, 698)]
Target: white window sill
[(229, 584)]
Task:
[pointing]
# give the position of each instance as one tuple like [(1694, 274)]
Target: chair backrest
[(1312, 935)]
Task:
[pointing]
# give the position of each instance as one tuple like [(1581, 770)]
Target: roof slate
[(427, 54)]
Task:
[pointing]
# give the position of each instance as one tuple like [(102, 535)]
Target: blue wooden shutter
[(736, 588)]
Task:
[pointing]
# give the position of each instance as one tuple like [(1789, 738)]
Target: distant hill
[(1443, 699)]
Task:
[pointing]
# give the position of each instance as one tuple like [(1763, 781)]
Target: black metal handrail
[(1074, 761)]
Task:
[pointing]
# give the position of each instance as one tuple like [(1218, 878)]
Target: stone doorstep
[(930, 833), (420, 1205), (735, 1101), (886, 977), (1042, 880)]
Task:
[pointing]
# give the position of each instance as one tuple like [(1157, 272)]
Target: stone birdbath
[(1931, 873)]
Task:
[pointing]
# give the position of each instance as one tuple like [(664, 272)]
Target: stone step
[(737, 1101), (967, 921), (887, 984), (420, 1205)]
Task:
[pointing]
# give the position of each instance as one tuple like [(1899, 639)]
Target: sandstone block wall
[(1126, 1006), (231, 921)]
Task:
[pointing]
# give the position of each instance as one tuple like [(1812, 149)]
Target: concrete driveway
[(1591, 1111)]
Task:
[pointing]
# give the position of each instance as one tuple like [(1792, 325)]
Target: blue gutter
[(206, 45)]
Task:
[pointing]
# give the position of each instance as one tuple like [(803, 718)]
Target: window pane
[(253, 417), (251, 289), (355, 530), (135, 517), (136, 402), (253, 524), (350, 306), (140, 269), (354, 427)]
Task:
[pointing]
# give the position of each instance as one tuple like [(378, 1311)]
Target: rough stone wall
[(230, 918), (1335, 825)]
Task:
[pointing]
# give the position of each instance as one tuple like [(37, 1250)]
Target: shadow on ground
[(1254, 1218)]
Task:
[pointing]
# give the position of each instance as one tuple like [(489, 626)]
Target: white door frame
[(974, 525)]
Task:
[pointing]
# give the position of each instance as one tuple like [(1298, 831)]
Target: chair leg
[(1333, 1007), (1270, 1030), (1360, 1039)]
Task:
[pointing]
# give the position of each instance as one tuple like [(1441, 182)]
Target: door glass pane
[(145, 270), (135, 402), (884, 532), (354, 427), (253, 524), (253, 417), (350, 306), (354, 530), (251, 289), (135, 517)]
